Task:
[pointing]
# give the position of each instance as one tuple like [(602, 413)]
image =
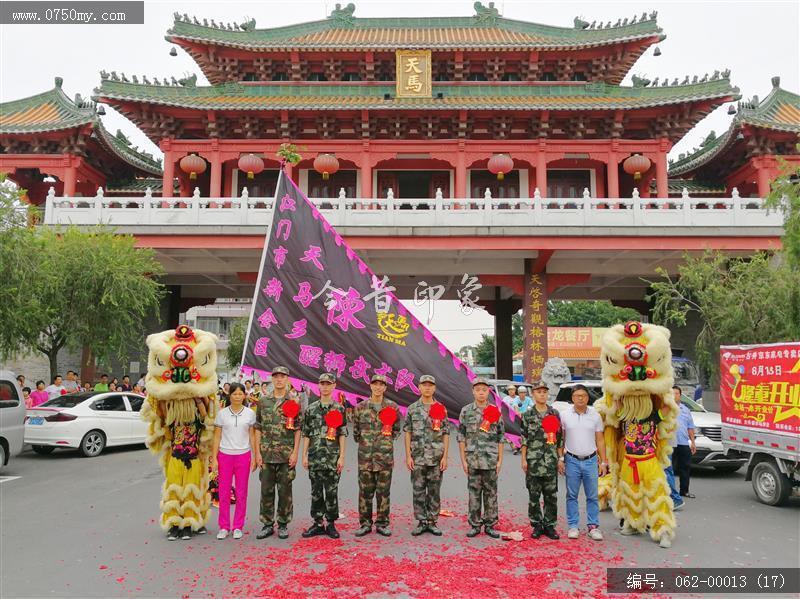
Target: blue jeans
[(673, 490), (582, 472)]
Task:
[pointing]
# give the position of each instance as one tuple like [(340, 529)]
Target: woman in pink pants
[(234, 457)]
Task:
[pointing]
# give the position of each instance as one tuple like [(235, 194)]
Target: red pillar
[(762, 178), (534, 323), (461, 174), (662, 190), (613, 175), (215, 186), (168, 179), (70, 181), (541, 170), (366, 176)]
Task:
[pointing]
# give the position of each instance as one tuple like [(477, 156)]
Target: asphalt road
[(77, 527)]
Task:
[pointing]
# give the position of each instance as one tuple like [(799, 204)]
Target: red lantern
[(326, 165), (636, 165), (500, 164), (193, 164), (251, 164)]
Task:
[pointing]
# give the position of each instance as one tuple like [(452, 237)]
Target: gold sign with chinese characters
[(413, 73)]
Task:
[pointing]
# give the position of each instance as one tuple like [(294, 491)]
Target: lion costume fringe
[(640, 418), (181, 383)]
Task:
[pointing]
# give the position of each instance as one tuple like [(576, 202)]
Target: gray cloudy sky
[(755, 39)]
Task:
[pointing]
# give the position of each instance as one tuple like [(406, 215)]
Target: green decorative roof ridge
[(132, 155), (77, 114), (247, 34)]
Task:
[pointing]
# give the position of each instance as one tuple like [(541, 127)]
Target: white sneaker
[(595, 534), (573, 533), (237, 534), (222, 534)]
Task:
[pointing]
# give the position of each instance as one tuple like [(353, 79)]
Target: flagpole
[(281, 175)]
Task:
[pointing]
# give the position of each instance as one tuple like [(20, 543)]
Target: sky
[(756, 40)]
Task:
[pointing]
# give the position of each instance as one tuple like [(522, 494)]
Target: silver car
[(12, 417)]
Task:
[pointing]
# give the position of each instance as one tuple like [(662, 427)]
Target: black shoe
[(434, 530), (314, 530), (491, 532), (551, 533), (538, 531), (174, 533), (186, 533), (689, 495), (383, 531), (331, 530), (474, 531), (421, 527), (266, 531), (201, 531), (364, 530), (283, 533)]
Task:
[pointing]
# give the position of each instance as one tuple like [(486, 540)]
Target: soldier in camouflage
[(426, 457), (375, 457), (323, 458), (481, 458), (280, 447), (540, 464)]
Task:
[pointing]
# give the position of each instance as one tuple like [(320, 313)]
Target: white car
[(86, 421), (12, 417), (707, 432)]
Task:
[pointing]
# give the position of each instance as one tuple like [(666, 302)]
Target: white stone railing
[(438, 211)]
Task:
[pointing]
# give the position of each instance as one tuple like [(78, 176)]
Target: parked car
[(707, 433), (86, 421), (12, 417)]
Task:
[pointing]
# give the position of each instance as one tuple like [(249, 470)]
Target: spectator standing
[(57, 388), (71, 384), (583, 443), (126, 384), (26, 396), (21, 380), (102, 386), (87, 386), (39, 396), (684, 447)]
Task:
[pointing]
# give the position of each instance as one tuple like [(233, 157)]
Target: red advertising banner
[(760, 386)]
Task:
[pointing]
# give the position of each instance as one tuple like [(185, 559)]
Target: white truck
[(761, 415)]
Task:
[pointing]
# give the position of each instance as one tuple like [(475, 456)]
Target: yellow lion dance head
[(182, 364)]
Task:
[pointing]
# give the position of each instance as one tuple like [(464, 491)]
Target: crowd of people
[(41, 392)]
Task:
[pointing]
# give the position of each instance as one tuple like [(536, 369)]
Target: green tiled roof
[(48, 111), (270, 96), (780, 111), (138, 186), (676, 186), (415, 32), (54, 111)]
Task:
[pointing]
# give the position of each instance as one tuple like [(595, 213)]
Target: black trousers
[(681, 465)]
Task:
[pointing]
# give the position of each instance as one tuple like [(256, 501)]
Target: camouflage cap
[(280, 370), (480, 381), (380, 378), (327, 377), (540, 384), (427, 378)]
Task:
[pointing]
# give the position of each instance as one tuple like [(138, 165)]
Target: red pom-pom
[(334, 418), (491, 413), (437, 411), (388, 415), (550, 424), (291, 409)]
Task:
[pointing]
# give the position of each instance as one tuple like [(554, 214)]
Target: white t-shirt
[(235, 429), (579, 430), (54, 391)]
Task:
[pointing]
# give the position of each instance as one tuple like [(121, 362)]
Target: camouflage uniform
[(427, 450), (277, 444), (542, 476), (482, 455), (375, 460), (323, 455)]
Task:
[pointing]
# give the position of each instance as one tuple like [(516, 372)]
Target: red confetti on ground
[(104, 567)]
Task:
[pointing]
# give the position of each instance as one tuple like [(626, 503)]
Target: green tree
[(740, 300), (236, 339), (79, 289), (785, 196), (484, 351), (587, 313)]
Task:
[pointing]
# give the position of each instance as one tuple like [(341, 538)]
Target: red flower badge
[(551, 424), (437, 413), (388, 416), (491, 414), (333, 419), (290, 409)]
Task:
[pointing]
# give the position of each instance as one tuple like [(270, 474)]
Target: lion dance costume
[(181, 404), (640, 418)]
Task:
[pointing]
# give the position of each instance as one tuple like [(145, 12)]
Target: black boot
[(364, 530), (314, 530), (538, 531), (421, 527), (550, 533), (434, 530), (491, 532), (174, 533), (474, 531), (331, 530), (266, 531)]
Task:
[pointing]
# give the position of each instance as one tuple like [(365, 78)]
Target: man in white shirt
[(56, 389), (583, 443), (71, 384)]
